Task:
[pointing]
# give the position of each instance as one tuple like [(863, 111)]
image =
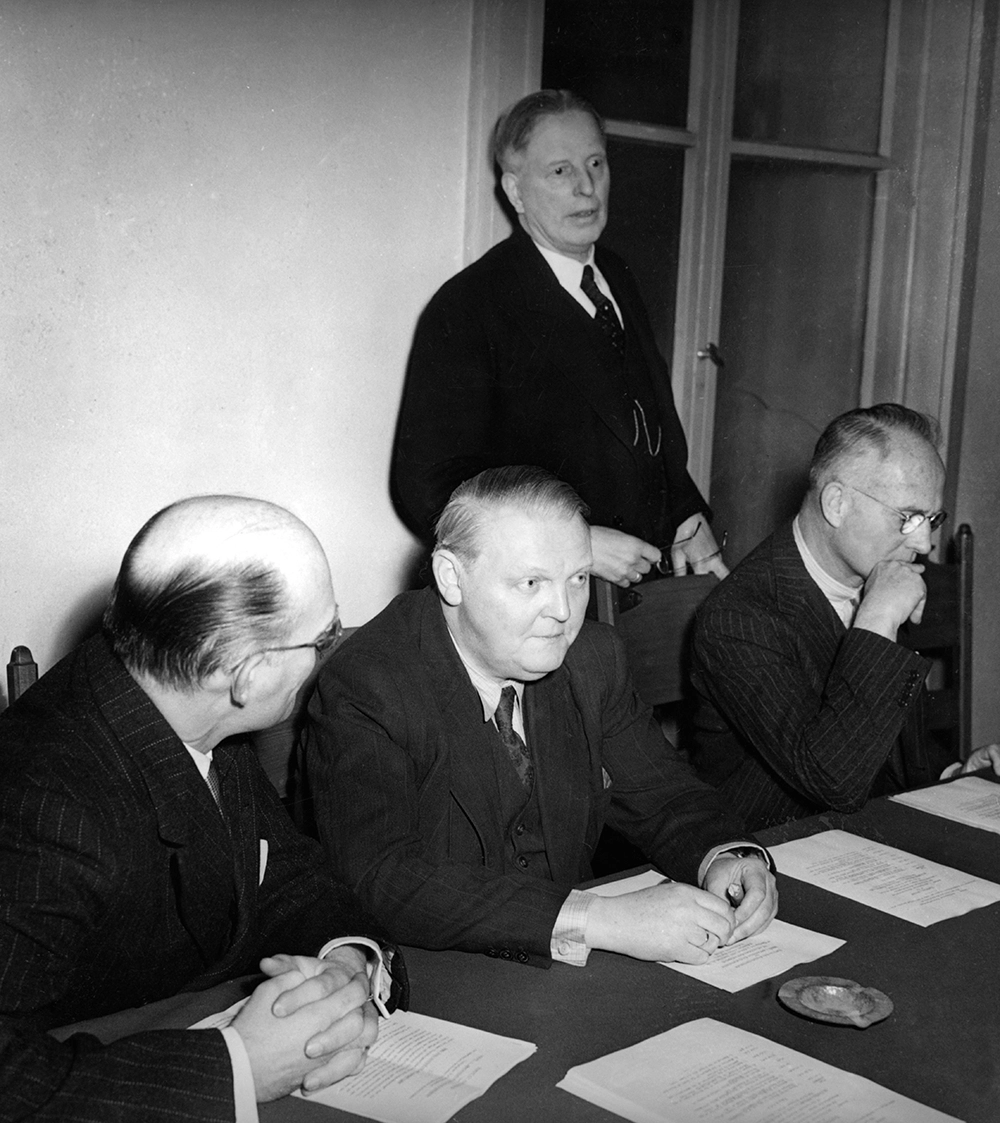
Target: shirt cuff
[(379, 978), (568, 944), (716, 851), (244, 1093)]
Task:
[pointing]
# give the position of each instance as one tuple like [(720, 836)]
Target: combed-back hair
[(522, 486), (861, 430), (182, 626), (515, 125)]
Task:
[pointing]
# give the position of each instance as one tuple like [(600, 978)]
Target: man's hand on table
[(670, 921), (987, 756), (308, 1025), (748, 884)]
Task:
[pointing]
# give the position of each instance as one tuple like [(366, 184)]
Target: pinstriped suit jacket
[(408, 802), (796, 713), (120, 884)]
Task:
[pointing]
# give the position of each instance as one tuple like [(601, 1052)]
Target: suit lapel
[(560, 328), (188, 821), (800, 598), (470, 751), (560, 756)]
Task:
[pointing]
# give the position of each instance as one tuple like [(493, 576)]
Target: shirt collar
[(843, 598), (568, 271), (488, 689)]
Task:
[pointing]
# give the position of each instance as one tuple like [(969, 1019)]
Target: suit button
[(506, 954), (519, 829), (522, 861), (521, 957), (492, 953)]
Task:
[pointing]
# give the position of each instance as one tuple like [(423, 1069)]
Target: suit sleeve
[(371, 761), (53, 890), (657, 801), (829, 739), (447, 422)]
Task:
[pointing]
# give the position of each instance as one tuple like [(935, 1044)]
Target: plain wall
[(219, 221)]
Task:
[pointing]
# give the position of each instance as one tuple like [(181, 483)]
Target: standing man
[(466, 747), (805, 695), (542, 353), (142, 853)]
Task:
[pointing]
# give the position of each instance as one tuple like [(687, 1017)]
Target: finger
[(651, 553), (331, 986), (351, 1031), (273, 965), (345, 1063), (678, 561)]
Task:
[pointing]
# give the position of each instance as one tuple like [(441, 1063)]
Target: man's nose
[(584, 182), (558, 606), (920, 539)]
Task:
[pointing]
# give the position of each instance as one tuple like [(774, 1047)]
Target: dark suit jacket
[(796, 713), (506, 368), (408, 800), (121, 885)]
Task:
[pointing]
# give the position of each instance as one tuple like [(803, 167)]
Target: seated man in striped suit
[(144, 852), (806, 699)]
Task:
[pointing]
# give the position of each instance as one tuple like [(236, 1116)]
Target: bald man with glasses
[(806, 701)]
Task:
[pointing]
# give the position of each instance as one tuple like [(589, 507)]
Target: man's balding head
[(207, 581)]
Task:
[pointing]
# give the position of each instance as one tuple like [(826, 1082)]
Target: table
[(939, 1046)]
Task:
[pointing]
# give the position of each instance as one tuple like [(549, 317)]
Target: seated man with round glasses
[(805, 699)]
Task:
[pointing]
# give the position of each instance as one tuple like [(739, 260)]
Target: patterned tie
[(607, 317), (516, 748), (212, 779)]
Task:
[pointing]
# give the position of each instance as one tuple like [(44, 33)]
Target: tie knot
[(505, 709), (589, 286)]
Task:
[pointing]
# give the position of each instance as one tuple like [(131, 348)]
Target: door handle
[(710, 351)]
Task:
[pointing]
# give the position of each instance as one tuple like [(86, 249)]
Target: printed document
[(420, 1070), (971, 800), (762, 956), (709, 1072), (883, 877)]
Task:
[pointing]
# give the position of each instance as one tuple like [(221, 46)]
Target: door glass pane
[(644, 219), (630, 58), (793, 312), (810, 74)]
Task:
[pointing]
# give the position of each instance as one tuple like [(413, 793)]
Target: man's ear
[(243, 677), (447, 568), (508, 181), (834, 502)]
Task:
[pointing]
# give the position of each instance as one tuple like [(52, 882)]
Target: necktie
[(212, 780), (607, 317), (516, 748)]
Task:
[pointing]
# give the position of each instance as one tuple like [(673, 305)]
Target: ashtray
[(840, 1001)]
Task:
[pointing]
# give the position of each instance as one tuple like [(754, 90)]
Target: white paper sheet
[(776, 949), (882, 877), (709, 1072), (771, 952), (971, 800), (422, 1070)]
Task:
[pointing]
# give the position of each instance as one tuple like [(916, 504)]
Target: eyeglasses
[(665, 566), (910, 521), (326, 642)]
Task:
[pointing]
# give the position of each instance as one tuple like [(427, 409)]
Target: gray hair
[(863, 430), (515, 125), (525, 487), (182, 626)]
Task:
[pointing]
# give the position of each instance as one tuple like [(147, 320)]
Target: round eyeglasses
[(910, 520)]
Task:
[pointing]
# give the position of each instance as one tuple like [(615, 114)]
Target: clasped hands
[(674, 921), (309, 1024)]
